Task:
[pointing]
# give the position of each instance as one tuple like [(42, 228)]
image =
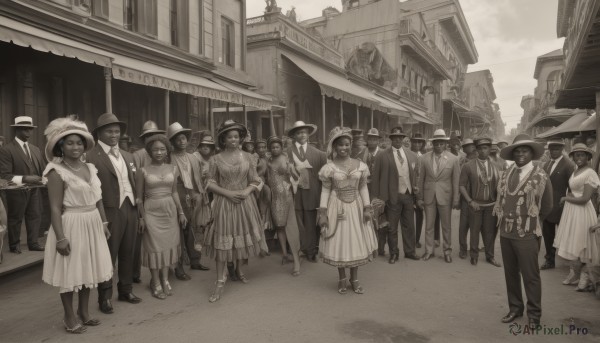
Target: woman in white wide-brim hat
[(76, 257)]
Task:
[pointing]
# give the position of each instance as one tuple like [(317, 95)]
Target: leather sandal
[(157, 290), (167, 289), (241, 277), (89, 322), (218, 291), (356, 288), (77, 329), (342, 286)]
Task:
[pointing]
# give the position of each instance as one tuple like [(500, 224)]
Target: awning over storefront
[(147, 74), (249, 97), (418, 114), (40, 40), (333, 85), (589, 124), (395, 108), (569, 128)]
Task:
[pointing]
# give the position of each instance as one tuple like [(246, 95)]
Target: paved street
[(411, 301)]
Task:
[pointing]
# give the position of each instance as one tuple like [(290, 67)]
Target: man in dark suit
[(116, 173), (559, 169), (395, 180), (22, 164), (308, 161)]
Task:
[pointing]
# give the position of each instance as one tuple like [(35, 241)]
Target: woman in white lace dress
[(76, 257)]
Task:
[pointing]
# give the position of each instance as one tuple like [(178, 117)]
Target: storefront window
[(227, 42)]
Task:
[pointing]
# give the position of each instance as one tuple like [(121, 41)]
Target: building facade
[(483, 117), (167, 61)]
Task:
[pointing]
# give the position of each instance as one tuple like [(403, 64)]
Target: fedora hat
[(207, 140), (483, 141), (417, 136), (175, 129), (301, 125), (150, 128), (373, 132), (439, 135), (62, 127), (108, 119), (556, 141), (397, 131), (522, 139), (581, 147), (468, 141), (24, 121)]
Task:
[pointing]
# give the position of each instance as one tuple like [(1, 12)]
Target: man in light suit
[(22, 164), (395, 180), (439, 177), (308, 161), (559, 170), (116, 170)]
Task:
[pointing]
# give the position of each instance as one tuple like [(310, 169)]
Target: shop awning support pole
[(323, 130), (108, 88), (341, 113), (371, 117), (212, 117), (272, 120), (595, 165), (167, 108), (228, 112), (207, 107), (357, 118), (245, 116)]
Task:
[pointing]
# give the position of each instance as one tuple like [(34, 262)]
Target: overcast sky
[(509, 35)]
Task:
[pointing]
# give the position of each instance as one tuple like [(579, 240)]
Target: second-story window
[(140, 16), (227, 42), (100, 8), (178, 20)]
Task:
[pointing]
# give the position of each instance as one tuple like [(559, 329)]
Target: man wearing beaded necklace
[(478, 182), (523, 201)]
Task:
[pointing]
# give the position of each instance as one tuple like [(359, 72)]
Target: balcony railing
[(410, 26)]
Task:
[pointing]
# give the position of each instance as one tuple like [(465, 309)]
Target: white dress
[(352, 242), (572, 235), (89, 262)]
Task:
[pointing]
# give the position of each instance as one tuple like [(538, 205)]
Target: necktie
[(436, 163), (115, 151), (550, 165), (26, 148), (301, 150), (483, 170), (400, 157), (513, 182)]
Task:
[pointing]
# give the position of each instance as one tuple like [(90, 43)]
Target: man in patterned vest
[(524, 200), (478, 183)]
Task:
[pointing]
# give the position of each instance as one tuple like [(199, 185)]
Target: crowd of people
[(165, 205)]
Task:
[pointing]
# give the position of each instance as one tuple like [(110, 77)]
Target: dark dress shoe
[(130, 298), (511, 316), (426, 256), (198, 266), (105, 306), (473, 261), (183, 276), (136, 279), (393, 258), (448, 258), (36, 247), (493, 262), (412, 257), (15, 250), (312, 258), (547, 265), (533, 323), (462, 254)]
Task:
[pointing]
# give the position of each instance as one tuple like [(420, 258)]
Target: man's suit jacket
[(385, 175), (443, 186), (311, 198), (108, 175), (560, 183), (196, 173), (14, 162)]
